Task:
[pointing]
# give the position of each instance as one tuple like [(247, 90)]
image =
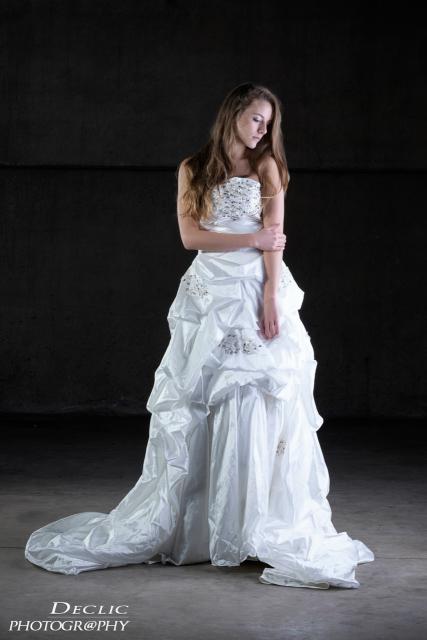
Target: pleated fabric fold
[(233, 468)]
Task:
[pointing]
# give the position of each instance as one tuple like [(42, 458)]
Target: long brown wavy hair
[(212, 165)]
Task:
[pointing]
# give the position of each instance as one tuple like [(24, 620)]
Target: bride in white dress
[(233, 468)]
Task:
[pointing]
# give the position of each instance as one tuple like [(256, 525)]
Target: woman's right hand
[(270, 238)]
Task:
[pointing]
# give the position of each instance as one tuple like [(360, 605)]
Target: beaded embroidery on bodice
[(238, 198), (236, 208)]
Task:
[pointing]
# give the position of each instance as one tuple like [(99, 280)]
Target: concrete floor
[(62, 466)]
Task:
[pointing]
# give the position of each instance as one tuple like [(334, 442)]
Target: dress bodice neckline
[(243, 178)]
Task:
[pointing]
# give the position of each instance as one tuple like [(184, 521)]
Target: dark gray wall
[(100, 102)]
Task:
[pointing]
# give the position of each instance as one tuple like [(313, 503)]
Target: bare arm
[(196, 238), (274, 213), (193, 237)]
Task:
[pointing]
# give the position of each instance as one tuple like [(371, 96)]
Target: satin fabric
[(233, 468)]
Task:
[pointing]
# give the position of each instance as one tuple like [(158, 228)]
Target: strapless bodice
[(236, 207)]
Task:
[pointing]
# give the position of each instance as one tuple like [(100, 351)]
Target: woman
[(233, 468)]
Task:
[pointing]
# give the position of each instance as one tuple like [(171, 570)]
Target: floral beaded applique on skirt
[(233, 469)]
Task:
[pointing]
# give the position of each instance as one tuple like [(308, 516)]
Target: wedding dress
[(233, 468)]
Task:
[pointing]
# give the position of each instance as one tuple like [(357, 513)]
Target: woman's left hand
[(270, 325)]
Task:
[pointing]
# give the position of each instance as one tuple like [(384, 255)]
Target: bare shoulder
[(187, 224), (272, 176), (268, 163), (269, 171), (183, 163), (183, 169), (183, 177)]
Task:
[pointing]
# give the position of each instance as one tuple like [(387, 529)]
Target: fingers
[(271, 333), (270, 329)]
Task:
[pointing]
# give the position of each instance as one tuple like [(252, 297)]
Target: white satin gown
[(233, 468)]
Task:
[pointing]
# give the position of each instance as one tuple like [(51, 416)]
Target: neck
[(238, 152)]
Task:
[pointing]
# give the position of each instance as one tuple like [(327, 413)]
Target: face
[(252, 124)]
